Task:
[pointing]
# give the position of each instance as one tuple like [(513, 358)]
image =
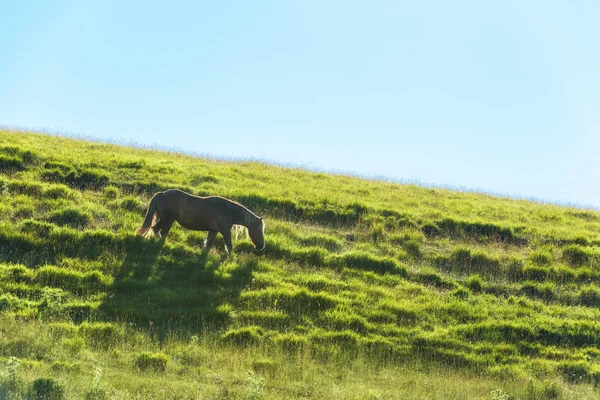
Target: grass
[(365, 289)]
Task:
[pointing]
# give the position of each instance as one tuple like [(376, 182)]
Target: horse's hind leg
[(156, 228), (209, 240), (166, 228)]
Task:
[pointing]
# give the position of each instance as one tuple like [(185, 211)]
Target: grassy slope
[(365, 289)]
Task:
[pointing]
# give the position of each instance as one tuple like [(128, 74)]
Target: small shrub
[(101, 334), (11, 385), (473, 229), (36, 228), (311, 256), (541, 258), (575, 371), (413, 248), (70, 216), (27, 188), (546, 390), (461, 293), (377, 232), (132, 204), (328, 242), (91, 179), (369, 262), (73, 281), (69, 175), (156, 362), (431, 229), (255, 386), (198, 179), (431, 277), (270, 319), (340, 321), (250, 335), (57, 192), (139, 164), (474, 283), (546, 291), (291, 342), (534, 273), (462, 260), (410, 240), (347, 341), (11, 163), (576, 255), (8, 301), (24, 211), (97, 393), (111, 192), (28, 156), (499, 394), (265, 366), (403, 314), (46, 389), (589, 297)]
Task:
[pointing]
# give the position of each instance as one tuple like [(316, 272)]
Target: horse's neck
[(244, 217)]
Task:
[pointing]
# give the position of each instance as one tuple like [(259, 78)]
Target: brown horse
[(213, 214)]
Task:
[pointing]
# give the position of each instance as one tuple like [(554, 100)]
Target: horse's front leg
[(227, 237), (209, 240)]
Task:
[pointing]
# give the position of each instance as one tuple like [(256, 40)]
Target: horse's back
[(195, 212)]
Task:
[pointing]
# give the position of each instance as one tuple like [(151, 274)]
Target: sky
[(494, 96)]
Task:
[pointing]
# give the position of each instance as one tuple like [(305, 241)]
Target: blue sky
[(501, 96)]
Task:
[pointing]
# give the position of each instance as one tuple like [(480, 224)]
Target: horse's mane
[(250, 218)]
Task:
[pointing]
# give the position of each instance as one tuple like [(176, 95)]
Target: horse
[(214, 214)]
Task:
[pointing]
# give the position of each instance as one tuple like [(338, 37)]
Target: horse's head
[(257, 234)]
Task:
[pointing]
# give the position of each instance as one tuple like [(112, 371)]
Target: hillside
[(365, 289)]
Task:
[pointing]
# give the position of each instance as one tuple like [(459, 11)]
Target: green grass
[(365, 289)]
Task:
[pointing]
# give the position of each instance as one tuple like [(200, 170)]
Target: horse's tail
[(143, 230)]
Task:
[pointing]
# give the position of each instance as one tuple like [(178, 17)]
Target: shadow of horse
[(173, 290)]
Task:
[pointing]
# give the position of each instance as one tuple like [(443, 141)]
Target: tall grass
[(365, 289)]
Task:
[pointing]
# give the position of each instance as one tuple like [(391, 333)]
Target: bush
[(70, 216), (139, 164), (46, 389), (132, 204), (101, 334), (544, 291), (476, 230), (462, 260), (347, 341), (541, 258), (27, 156), (156, 362), (575, 371), (57, 192), (11, 163), (71, 176), (576, 255), (36, 228), (369, 262), (97, 393), (589, 297), (265, 366), (250, 335), (546, 390), (474, 283), (328, 242), (433, 278), (291, 342), (111, 192)]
